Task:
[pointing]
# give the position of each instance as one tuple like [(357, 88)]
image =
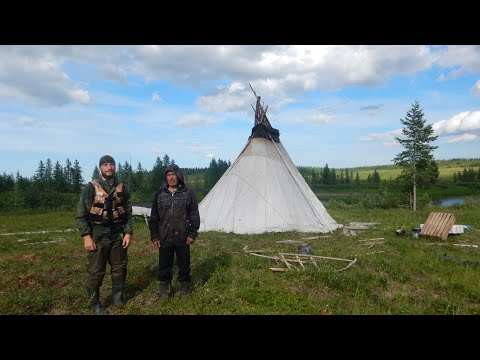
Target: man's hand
[(89, 244), (190, 240), (127, 238), (156, 244)]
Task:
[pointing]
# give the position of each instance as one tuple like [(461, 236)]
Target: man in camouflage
[(104, 219)]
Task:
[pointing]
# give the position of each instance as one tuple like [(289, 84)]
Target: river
[(445, 202)]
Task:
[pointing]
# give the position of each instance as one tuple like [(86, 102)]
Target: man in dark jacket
[(174, 222), (104, 219)]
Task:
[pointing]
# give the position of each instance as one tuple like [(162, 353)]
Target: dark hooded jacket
[(174, 216)]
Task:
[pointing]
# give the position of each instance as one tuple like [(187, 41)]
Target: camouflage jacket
[(85, 204)]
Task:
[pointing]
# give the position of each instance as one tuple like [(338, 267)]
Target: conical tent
[(263, 191)]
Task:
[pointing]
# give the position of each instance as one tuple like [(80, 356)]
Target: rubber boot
[(184, 288), (164, 290), (118, 295), (95, 304)]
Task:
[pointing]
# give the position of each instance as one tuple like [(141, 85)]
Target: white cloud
[(464, 138), (463, 122), (235, 97), (453, 74), (36, 74), (317, 118), (476, 89), (460, 58), (194, 148), (372, 110), (25, 121), (282, 73), (80, 96), (158, 151), (196, 119), (459, 124), (115, 73), (156, 96), (209, 156), (386, 138)]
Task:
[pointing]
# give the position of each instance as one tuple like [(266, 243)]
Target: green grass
[(391, 172), (410, 277)]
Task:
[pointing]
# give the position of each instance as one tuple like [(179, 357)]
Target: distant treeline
[(54, 186), (326, 176), (57, 186), (467, 175)]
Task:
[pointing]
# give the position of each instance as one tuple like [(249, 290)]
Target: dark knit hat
[(106, 159)]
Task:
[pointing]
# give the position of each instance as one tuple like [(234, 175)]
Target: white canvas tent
[(263, 191)]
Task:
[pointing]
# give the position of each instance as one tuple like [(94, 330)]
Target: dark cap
[(106, 159)]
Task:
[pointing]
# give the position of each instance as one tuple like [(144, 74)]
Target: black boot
[(164, 290), (95, 304), (118, 295), (184, 288)]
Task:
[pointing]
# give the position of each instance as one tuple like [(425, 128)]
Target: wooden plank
[(429, 224), (447, 227), (351, 263), (437, 217), (445, 221), (314, 256), (314, 263), (433, 222), (438, 225), (441, 224), (300, 261), (274, 269), (282, 258)]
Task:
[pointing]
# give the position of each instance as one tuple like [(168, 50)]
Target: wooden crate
[(438, 225)]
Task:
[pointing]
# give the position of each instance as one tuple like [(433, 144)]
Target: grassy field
[(389, 173), (44, 273)]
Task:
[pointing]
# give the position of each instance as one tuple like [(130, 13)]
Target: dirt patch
[(27, 281), (30, 257)]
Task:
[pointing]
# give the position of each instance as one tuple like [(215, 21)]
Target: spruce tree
[(77, 178), (40, 173), (417, 158), (49, 171), (68, 174), (157, 175), (326, 175), (347, 177), (58, 178), (166, 160), (96, 173)]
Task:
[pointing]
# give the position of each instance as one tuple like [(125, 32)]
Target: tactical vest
[(107, 209)]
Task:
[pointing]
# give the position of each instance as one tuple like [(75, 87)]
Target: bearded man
[(104, 219)]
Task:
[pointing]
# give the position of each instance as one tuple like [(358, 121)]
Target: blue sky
[(339, 104)]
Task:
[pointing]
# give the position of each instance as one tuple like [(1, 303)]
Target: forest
[(57, 187)]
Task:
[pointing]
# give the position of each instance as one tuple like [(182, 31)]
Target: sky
[(333, 104)]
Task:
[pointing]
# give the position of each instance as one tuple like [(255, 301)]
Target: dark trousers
[(111, 251), (165, 263)]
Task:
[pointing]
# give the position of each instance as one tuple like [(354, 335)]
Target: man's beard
[(105, 176)]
